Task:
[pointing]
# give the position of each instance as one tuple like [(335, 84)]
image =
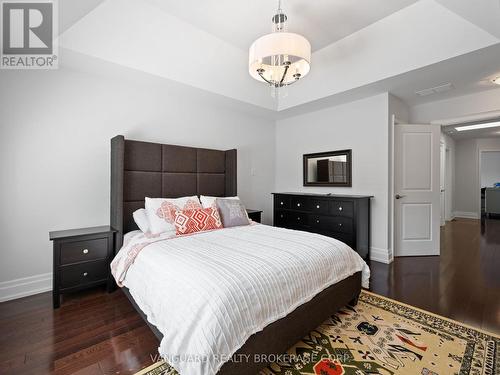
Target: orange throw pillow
[(192, 221)]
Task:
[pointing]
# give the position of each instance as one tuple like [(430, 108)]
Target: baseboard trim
[(25, 286), (466, 215), (380, 255)]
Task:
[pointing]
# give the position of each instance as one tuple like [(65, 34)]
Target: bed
[(158, 278)]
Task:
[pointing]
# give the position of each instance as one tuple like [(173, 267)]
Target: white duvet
[(208, 293)]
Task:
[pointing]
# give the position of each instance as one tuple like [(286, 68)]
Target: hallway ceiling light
[(280, 58), (477, 126)]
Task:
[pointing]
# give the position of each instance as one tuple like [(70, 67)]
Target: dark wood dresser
[(81, 259), (344, 217)]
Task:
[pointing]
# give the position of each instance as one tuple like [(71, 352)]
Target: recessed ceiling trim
[(478, 126), (476, 117)]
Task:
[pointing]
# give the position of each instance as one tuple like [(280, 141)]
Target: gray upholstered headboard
[(143, 169)]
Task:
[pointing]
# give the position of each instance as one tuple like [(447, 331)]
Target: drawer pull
[(298, 204), (317, 206), (340, 208), (85, 274), (85, 251)]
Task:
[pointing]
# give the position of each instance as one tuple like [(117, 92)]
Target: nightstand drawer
[(84, 273), (84, 250)]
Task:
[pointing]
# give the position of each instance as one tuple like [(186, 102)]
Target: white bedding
[(208, 293)]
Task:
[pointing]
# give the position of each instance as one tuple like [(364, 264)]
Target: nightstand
[(82, 259), (255, 215)]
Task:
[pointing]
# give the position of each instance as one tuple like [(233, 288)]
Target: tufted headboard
[(143, 169)]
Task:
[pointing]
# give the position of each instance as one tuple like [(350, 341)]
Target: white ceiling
[(485, 13), (457, 70), (470, 73), (70, 12), (361, 46), (240, 22)]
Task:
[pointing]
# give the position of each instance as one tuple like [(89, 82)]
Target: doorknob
[(400, 196)]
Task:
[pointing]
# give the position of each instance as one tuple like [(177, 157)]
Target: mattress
[(208, 293)]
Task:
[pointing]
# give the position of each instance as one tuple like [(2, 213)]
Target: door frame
[(442, 175), (392, 207)]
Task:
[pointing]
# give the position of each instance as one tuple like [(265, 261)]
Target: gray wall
[(467, 180), (485, 101), (361, 126), (490, 168), (55, 129)]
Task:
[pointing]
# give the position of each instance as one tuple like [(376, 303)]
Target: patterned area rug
[(382, 336)]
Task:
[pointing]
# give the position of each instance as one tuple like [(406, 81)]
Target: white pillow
[(161, 211), (207, 201), (141, 219)]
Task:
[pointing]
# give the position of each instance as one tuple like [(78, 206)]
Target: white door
[(416, 189)]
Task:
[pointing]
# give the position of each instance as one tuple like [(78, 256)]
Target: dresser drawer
[(341, 208), (341, 224), (320, 222), (280, 218), (299, 203), (281, 202), (346, 238), (297, 219), (84, 273), (317, 206), (84, 250)]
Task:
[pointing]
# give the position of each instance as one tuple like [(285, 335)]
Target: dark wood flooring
[(95, 333), (462, 284)]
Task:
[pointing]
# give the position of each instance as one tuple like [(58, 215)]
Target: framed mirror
[(328, 168)]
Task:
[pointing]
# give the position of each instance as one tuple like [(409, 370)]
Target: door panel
[(416, 219), (417, 189), (416, 161)]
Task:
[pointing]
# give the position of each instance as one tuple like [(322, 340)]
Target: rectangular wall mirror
[(328, 168)]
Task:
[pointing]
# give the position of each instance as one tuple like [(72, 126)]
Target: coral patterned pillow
[(161, 211), (192, 221)]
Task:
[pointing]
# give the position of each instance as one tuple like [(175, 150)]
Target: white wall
[(484, 101), (467, 180), (490, 168), (55, 128), (466, 185), (449, 174), (361, 126)]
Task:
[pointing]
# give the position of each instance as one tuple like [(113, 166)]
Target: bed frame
[(143, 169)]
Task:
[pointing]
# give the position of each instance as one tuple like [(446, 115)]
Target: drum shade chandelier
[(280, 58)]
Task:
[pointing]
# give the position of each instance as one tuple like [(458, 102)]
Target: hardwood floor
[(92, 333), (462, 284), (95, 333)]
